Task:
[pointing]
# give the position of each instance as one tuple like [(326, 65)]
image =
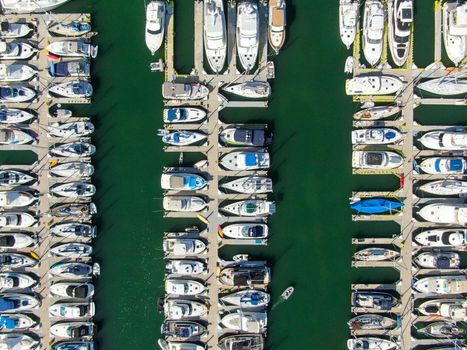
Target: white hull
[(348, 19), (249, 185), (247, 34), (454, 42), (215, 34), (377, 113), (183, 115), (453, 309), (16, 94), (17, 341), (71, 270), (442, 238), (251, 89), (16, 220), (374, 85), (443, 260), (73, 149), (250, 207), (72, 250), (183, 246), (73, 170), (11, 136), (74, 190), (11, 281), (73, 89), (373, 30), (14, 178), (70, 28), (445, 140), (63, 329), (79, 290), (14, 116), (441, 285), (250, 298), (183, 287), (15, 30), (186, 267), (443, 165), (25, 302), (73, 230), (16, 72), (184, 203), (16, 51), (246, 231), (444, 213), (378, 160), (72, 310), (253, 160), (31, 6), (71, 48), (447, 86), (376, 136), (245, 321), (75, 129), (400, 30), (22, 322), (155, 25), (376, 254), (183, 138), (180, 309), (370, 343), (445, 187), (16, 199), (13, 240)]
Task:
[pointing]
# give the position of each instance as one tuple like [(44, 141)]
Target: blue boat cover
[(376, 206), (390, 135), (455, 164), (172, 114), (250, 159), (192, 182), (7, 323), (6, 304), (437, 163)]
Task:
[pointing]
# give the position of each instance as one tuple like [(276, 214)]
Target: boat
[(73, 190), (18, 302), (377, 112), (242, 342), (16, 72), (451, 309), (10, 281), (61, 113), (73, 149), (72, 48), (250, 207), (16, 94), (442, 238), (246, 299), (75, 345), (286, 294), (72, 310), (72, 330), (215, 34), (70, 28), (80, 69), (348, 19), (445, 86), (15, 260), (15, 199), (378, 160), (371, 322), (250, 277), (456, 284), (376, 136), (183, 115), (250, 89), (28, 6), (14, 116), (16, 50), (78, 210), (72, 250), (370, 343), (15, 322), (184, 203), (177, 309), (182, 181), (183, 329), (71, 270), (374, 19), (246, 160), (183, 246), (444, 165), (374, 85), (376, 206), (184, 287), (73, 230), (73, 129), (277, 24), (400, 30), (13, 30), (249, 185), (246, 321), (14, 178), (16, 220), (247, 34), (444, 213), (245, 231), (13, 136), (12, 240), (174, 345), (182, 137), (72, 89), (17, 341), (184, 91), (155, 25), (239, 136), (374, 300), (375, 254), (441, 329), (186, 267), (438, 260), (72, 169), (445, 187), (455, 30), (445, 140), (78, 290)]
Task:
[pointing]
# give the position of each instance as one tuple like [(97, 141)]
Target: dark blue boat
[(70, 69), (376, 206)]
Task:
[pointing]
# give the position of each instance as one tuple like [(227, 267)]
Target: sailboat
[(215, 34), (28, 6)]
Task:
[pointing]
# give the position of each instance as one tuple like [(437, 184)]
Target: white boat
[(349, 65), (15, 51), (73, 230), (374, 300), (348, 19), (445, 187), (377, 112), (72, 250), (64, 69), (445, 86), (456, 284), (376, 136), (245, 299), (182, 137), (250, 89), (183, 246), (11, 136), (184, 203), (400, 30), (15, 199), (371, 322), (78, 290), (215, 34), (245, 231), (13, 240), (184, 91), (61, 113), (17, 341), (73, 129), (183, 287), (70, 28), (182, 181), (14, 260), (74, 190), (246, 321), (16, 322), (186, 267), (445, 140), (242, 342), (452, 309), (14, 116), (444, 213), (455, 30), (16, 72), (246, 160), (174, 345), (177, 309), (16, 220), (370, 343), (73, 149), (438, 260), (72, 270), (378, 160), (250, 207), (183, 115), (277, 23), (72, 48), (251, 277), (72, 169), (444, 165), (376, 254), (14, 178), (70, 330), (81, 344), (249, 185), (73, 89), (374, 85), (16, 94), (442, 329), (374, 19), (155, 25), (10, 281), (29, 6), (247, 33), (17, 302), (12, 30), (72, 310), (79, 210), (442, 238)]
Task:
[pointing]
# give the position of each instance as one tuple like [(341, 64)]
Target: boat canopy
[(250, 136), (7, 304), (374, 158), (251, 160), (6, 322)]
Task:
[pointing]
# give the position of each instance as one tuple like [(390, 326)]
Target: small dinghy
[(10, 281), (371, 322), (456, 284), (245, 299), (183, 329), (183, 246), (376, 206), (18, 302), (72, 270), (251, 277), (72, 330), (451, 309), (16, 199), (184, 287), (246, 160), (74, 190), (375, 254), (376, 136), (72, 250), (10, 136), (72, 49), (186, 267), (445, 187), (70, 28), (441, 329), (374, 85), (12, 30), (445, 86), (72, 89), (444, 165), (28, 6), (245, 321), (182, 181), (438, 260), (78, 290), (72, 170), (16, 72), (182, 137), (349, 65), (77, 210), (80, 69), (183, 115), (73, 149), (13, 240), (177, 309), (16, 220), (184, 203), (378, 160), (155, 25), (74, 129), (242, 342), (374, 300), (250, 207), (250, 89), (72, 310), (14, 260), (16, 322), (16, 50), (445, 140), (377, 113), (245, 231), (73, 230), (17, 341), (442, 238), (441, 213), (248, 137), (348, 19), (14, 178), (249, 185), (184, 91), (14, 116), (16, 94), (370, 343)]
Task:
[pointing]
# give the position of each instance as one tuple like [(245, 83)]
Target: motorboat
[(245, 231), (348, 20), (445, 187), (155, 25), (183, 246), (400, 30), (184, 203), (277, 24), (376, 206), (10, 281), (451, 309), (72, 250), (16, 322), (445, 86), (61, 113), (250, 277), (78, 290), (184, 91), (444, 213), (442, 238), (177, 309), (376, 254), (73, 129), (455, 30), (72, 310), (374, 85), (73, 330), (376, 136), (80, 69), (17, 341), (186, 267), (174, 345), (73, 149), (242, 342), (374, 19), (183, 329), (72, 89), (16, 72), (246, 160), (184, 287), (16, 94), (75, 345), (77, 210), (250, 89), (371, 322), (444, 165), (14, 178), (13, 30), (374, 300), (14, 116), (70, 28), (250, 207), (15, 260), (456, 284), (72, 48), (12, 240), (73, 190), (183, 115), (441, 329), (18, 302), (370, 343), (445, 140), (71, 270), (28, 6), (15, 199), (182, 181), (378, 160), (377, 112), (182, 137), (246, 299), (16, 50), (249, 185), (13, 136), (73, 230), (438, 260), (16, 220), (247, 34), (246, 321), (72, 169), (239, 136), (215, 34)]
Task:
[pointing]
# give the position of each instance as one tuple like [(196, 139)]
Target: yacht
[(13, 30), (72, 169), (73, 129), (73, 250), (378, 160), (16, 94), (184, 287), (445, 140), (73, 230), (76, 209), (374, 300), (444, 165), (442, 329), (376, 136), (73, 190), (17, 341), (249, 185), (177, 115), (75, 290), (72, 310), (183, 246), (15, 50), (15, 199), (247, 33), (374, 19), (16, 72), (374, 85), (14, 178), (242, 342), (184, 91), (11, 281), (371, 322), (184, 203), (215, 34), (80, 69), (14, 260), (182, 181), (70, 28), (370, 343), (71, 330), (177, 309), (12, 240), (16, 322), (246, 321), (13, 136), (451, 309), (247, 299), (445, 86), (376, 254), (18, 302), (186, 267), (250, 89), (72, 48), (400, 30), (14, 116), (456, 284), (246, 160), (455, 30), (245, 231), (445, 187), (438, 260), (250, 207), (155, 25), (241, 136), (72, 89), (456, 238), (251, 277), (377, 112), (73, 149), (72, 270), (174, 345), (277, 23), (28, 6), (182, 330), (16, 220), (444, 213), (182, 137)]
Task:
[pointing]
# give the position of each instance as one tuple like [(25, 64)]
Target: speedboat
[(249, 298), (378, 160), (445, 140), (18, 302), (72, 89), (245, 137), (277, 23), (377, 112), (251, 277), (177, 309), (445, 86), (71, 270), (78, 290), (400, 30), (16, 94), (16, 72), (73, 129), (444, 213), (250, 89), (452, 309), (183, 329), (75, 345), (247, 33), (28, 6), (155, 25), (78, 210), (376, 136), (183, 115), (442, 284), (14, 260), (245, 231), (441, 329), (246, 321), (73, 149), (215, 34), (72, 48), (374, 300), (442, 238), (183, 287), (445, 187), (455, 30), (70, 28), (72, 310), (374, 85), (371, 322), (17, 341), (249, 185), (12, 240), (183, 246), (246, 160), (370, 343), (16, 220), (14, 116), (438, 260), (250, 207), (14, 178), (12, 30), (61, 113), (184, 91), (184, 203), (242, 342), (374, 19), (375, 254), (15, 322), (348, 19), (73, 230), (174, 345), (444, 165), (182, 137), (15, 50), (71, 330), (74, 190), (72, 250), (10, 281), (72, 169), (186, 267), (376, 206), (182, 181), (15, 199), (80, 69), (11, 136)]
